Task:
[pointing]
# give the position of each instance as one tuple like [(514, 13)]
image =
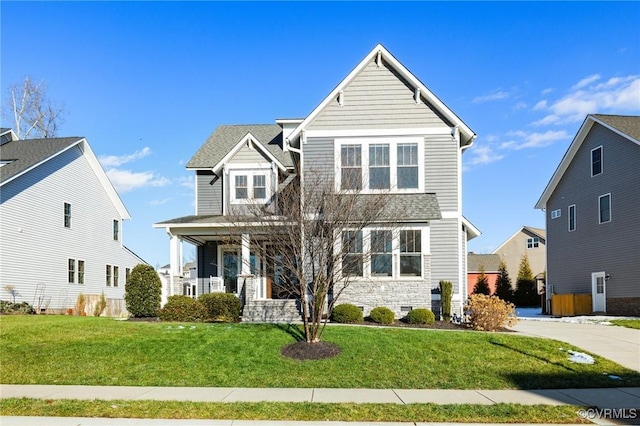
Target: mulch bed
[(305, 351)]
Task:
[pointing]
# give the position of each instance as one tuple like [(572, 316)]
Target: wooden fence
[(571, 304)]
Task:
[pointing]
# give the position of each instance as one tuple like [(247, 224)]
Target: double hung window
[(352, 259), (381, 257), (410, 253), (572, 217), (604, 204), (250, 185), (351, 163), (596, 161)]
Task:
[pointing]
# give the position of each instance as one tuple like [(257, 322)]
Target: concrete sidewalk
[(601, 397), (618, 344)]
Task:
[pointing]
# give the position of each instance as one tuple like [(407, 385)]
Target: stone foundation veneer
[(627, 306)]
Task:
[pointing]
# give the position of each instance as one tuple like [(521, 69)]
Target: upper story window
[(604, 204), (250, 185), (596, 161), (556, 213), (533, 242), (572, 217), (116, 230), (67, 215), (378, 164)]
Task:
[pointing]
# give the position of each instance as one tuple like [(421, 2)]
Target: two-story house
[(380, 130), (61, 226), (592, 205), (527, 241)]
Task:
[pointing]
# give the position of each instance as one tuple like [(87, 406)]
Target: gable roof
[(467, 135), (24, 155), (627, 126), (490, 262), (538, 232), (227, 137)]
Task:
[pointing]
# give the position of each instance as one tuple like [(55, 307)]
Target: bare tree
[(314, 241), (29, 110)]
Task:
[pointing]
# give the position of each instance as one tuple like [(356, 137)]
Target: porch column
[(175, 261), (245, 274)]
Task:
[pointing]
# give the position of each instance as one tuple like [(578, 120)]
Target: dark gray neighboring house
[(592, 207)]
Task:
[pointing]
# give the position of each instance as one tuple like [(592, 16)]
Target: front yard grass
[(311, 411), (633, 323), (102, 351)]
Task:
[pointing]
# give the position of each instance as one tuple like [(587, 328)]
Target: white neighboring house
[(61, 226)]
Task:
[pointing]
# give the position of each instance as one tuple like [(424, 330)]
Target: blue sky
[(147, 82)]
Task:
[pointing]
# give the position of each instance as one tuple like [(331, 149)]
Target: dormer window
[(250, 185)]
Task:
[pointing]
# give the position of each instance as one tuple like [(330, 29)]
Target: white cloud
[(586, 81), (482, 154), (491, 97), (616, 95), (126, 180), (534, 139), (119, 160), (519, 106), (187, 182), (540, 105), (159, 202), (547, 91)]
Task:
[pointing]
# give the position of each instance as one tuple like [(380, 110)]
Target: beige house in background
[(527, 240)]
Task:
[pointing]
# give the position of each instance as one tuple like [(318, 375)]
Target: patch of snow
[(580, 357)]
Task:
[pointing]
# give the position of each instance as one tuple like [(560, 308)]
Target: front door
[(230, 270), (598, 291)]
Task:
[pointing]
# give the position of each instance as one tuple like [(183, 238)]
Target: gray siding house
[(60, 226), (592, 206), (379, 115)]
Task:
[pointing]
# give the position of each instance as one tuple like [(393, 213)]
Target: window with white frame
[(116, 276), (596, 161), (71, 271), (391, 254), (378, 164), (533, 242), (604, 208), (572, 217), (556, 213), (67, 215), (80, 271), (108, 276), (116, 230), (250, 185), (410, 252)]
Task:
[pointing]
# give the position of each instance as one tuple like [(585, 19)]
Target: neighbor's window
[(116, 230), (556, 213), (116, 276), (410, 253), (572, 217), (408, 165), (351, 167), (67, 215), (533, 242), (604, 202), (379, 168), (381, 246), (71, 269), (596, 161), (108, 276), (80, 271), (127, 272), (352, 259)]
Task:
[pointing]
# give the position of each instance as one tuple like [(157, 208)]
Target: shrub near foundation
[(222, 307), (183, 309), (490, 313), (347, 313), (382, 315), (421, 316)]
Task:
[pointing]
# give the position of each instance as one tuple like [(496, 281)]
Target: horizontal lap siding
[(377, 98), (209, 195), (248, 156), (613, 247), (35, 245), (441, 171), (445, 254)]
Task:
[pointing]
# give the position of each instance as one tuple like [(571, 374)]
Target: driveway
[(619, 344)]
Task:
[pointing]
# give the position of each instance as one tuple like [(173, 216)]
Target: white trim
[(252, 141), (250, 174), (393, 143), (600, 222), (380, 52), (417, 131), (575, 218)]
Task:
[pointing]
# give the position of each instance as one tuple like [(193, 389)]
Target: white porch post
[(175, 261), (246, 255)]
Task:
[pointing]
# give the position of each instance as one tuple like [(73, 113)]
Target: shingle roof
[(542, 233), (628, 124), (21, 155), (490, 262), (226, 137)]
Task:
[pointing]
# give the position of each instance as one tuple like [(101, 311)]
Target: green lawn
[(311, 411), (102, 351), (634, 323)]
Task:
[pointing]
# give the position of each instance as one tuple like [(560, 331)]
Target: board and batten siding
[(209, 196), (377, 98), (612, 247), (36, 246)]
